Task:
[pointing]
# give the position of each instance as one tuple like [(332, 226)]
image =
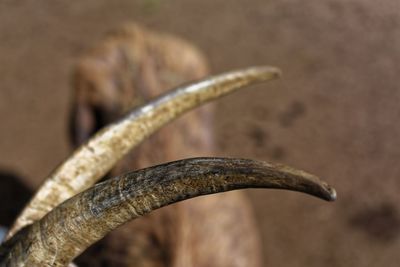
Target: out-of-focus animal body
[(126, 69)]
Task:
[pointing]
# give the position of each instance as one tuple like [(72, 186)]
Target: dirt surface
[(334, 113)]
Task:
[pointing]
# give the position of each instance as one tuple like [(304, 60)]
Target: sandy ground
[(335, 112)]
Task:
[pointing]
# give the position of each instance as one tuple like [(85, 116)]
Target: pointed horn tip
[(332, 194), (269, 72), (260, 73), (315, 185), (325, 191)]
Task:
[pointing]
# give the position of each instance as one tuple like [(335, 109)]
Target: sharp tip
[(271, 72), (329, 192), (277, 72), (332, 194)]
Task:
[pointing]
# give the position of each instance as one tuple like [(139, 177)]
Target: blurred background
[(334, 113)]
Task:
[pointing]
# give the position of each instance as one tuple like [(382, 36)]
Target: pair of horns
[(69, 228)]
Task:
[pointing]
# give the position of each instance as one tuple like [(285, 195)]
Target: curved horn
[(70, 228), (94, 159)]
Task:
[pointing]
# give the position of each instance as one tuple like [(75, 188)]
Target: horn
[(94, 159), (77, 223)]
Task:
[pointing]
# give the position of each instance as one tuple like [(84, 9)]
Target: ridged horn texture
[(94, 159), (70, 228)]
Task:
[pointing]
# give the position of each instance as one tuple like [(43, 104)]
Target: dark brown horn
[(71, 227)]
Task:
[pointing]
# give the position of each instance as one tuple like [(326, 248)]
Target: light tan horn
[(94, 159)]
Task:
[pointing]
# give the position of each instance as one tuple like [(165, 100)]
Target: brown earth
[(334, 112)]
